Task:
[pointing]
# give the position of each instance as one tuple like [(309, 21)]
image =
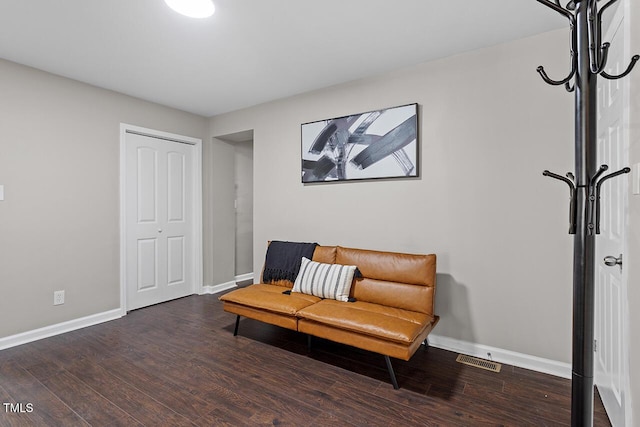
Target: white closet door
[(159, 192)]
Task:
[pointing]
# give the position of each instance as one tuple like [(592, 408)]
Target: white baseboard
[(214, 289), (243, 277), (534, 363), (83, 322), (60, 328)]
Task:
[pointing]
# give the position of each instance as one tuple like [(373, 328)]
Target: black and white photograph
[(375, 144)]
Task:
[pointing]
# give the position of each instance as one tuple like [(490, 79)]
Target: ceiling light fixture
[(192, 8)]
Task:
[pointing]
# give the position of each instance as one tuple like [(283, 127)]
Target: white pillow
[(324, 280)]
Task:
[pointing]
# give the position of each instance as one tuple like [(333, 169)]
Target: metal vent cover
[(479, 363)]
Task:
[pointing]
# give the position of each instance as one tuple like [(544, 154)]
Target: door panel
[(147, 264), (176, 202), (176, 260), (611, 311), (146, 177)]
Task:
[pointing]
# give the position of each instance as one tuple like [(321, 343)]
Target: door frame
[(197, 263)]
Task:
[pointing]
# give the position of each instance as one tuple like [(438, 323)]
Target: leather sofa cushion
[(400, 295), (325, 254), (376, 320), (390, 266), (270, 298)]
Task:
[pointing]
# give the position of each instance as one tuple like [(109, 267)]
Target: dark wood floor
[(178, 364)]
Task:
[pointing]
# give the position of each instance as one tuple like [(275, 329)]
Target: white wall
[(244, 207), (219, 194), (59, 222), (489, 126)]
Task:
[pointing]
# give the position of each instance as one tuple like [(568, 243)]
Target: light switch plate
[(1, 193), (636, 178)]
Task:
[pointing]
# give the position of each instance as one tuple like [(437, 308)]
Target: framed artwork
[(375, 144)]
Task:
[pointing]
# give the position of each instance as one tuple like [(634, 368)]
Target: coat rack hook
[(552, 82), (561, 10), (634, 59), (595, 177), (597, 191), (593, 201), (605, 7), (595, 36), (599, 61), (574, 66), (569, 180), (612, 175)]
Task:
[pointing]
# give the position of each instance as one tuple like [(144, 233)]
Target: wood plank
[(48, 409), (86, 402), (214, 387), (156, 384), (9, 417), (127, 397)]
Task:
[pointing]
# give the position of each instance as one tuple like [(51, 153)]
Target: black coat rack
[(588, 60)]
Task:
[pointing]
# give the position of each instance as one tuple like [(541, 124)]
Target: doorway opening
[(238, 153)]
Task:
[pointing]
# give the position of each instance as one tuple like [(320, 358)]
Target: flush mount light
[(192, 8)]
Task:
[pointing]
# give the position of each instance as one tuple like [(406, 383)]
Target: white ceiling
[(251, 51)]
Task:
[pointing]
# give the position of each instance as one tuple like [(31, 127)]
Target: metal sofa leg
[(235, 331), (391, 373)]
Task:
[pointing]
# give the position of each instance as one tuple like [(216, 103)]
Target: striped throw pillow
[(324, 280)]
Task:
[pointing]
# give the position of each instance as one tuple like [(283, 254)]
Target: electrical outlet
[(58, 297)]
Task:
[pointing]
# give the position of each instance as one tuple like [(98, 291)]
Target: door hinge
[(595, 346)]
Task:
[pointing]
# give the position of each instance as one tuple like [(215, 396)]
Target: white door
[(611, 358), (159, 193)]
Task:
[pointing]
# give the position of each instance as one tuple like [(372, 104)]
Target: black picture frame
[(371, 145)]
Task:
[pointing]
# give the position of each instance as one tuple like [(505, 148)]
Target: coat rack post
[(584, 241)]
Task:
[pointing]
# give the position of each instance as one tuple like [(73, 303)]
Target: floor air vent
[(479, 363)]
